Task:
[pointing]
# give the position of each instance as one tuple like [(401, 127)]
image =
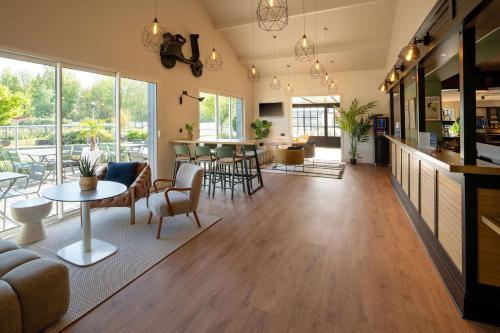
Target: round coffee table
[(89, 250)]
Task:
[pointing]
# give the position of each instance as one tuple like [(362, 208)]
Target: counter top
[(446, 159)]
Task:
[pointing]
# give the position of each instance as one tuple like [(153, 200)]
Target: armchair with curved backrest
[(179, 199)]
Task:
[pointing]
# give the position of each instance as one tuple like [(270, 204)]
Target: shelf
[(493, 222)]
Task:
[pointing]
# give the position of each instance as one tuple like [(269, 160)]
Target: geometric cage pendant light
[(213, 61), (272, 15), (332, 87), (325, 81), (289, 87), (304, 48), (317, 71), (253, 74), (152, 35), (275, 83)]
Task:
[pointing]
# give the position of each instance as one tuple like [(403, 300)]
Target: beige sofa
[(34, 292)]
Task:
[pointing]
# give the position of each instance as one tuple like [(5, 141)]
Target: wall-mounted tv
[(270, 110)]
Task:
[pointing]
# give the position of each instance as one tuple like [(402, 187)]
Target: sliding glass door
[(221, 117)]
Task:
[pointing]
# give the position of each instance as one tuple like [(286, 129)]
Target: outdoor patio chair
[(32, 185), (67, 162), (76, 153), (18, 165), (136, 157)]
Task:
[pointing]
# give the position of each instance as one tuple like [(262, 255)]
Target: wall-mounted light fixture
[(394, 76), (384, 86), (185, 93), (412, 52)]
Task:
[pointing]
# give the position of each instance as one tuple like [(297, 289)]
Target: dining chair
[(181, 198)]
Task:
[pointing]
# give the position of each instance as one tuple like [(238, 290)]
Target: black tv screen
[(270, 109)]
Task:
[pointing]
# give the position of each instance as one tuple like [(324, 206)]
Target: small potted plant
[(262, 128), (88, 178), (189, 128)]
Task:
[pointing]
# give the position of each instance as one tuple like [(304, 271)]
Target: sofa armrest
[(10, 309), (101, 172), (142, 183)]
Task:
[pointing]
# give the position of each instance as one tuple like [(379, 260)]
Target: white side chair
[(29, 213), (181, 198)]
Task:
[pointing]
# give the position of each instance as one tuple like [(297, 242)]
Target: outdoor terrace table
[(11, 178), (40, 153)]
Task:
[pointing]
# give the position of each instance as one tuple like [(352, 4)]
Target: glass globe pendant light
[(213, 61), (152, 35), (253, 74), (288, 88), (304, 48), (272, 15), (275, 82), (317, 70)]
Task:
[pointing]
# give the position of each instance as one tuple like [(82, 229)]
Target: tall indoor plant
[(356, 125)]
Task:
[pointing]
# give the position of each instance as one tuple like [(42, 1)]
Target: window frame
[(217, 125), (317, 107)]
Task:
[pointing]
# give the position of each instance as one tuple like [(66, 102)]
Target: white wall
[(106, 34), (408, 17), (357, 84)]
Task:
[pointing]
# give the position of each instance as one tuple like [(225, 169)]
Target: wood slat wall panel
[(488, 240), (427, 197), (393, 159), (404, 170), (450, 218), (414, 180)]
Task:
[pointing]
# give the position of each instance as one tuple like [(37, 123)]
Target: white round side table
[(29, 213)]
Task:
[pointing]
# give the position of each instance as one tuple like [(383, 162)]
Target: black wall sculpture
[(171, 52)]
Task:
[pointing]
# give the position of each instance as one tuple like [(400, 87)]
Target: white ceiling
[(358, 36)]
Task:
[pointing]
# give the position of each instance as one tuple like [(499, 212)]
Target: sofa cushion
[(121, 172), (42, 286), (11, 259), (179, 200), (7, 246), (10, 309)]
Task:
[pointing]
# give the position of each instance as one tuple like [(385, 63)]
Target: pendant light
[(332, 87), (272, 15), (384, 86), (304, 48), (317, 70), (394, 76), (213, 61), (325, 80), (288, 88), (275, 83), (152, 35), (253, 74)]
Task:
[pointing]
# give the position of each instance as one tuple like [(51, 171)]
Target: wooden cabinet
[(414, 181), (405, 172), (427, 194), (488, 240)]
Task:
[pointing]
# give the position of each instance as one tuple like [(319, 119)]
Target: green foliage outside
[(11, 105), (136, 135), (355, 125)]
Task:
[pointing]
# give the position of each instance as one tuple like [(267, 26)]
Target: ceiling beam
[(334, 48), (248, 22)]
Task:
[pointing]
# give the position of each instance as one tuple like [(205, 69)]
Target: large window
[(103, 117), (315, 120), (221, 117)]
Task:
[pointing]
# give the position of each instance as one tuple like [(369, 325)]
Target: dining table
[(89, 250), (247, 153)]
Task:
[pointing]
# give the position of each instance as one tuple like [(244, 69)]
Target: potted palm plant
[(88, 177), (356, 125)]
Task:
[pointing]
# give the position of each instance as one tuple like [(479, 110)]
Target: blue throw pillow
[(121, 172)]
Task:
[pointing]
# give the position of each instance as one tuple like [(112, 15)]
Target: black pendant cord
[(326, 54), (213, 32), (316, 5), (253, 34), (304, 16), (155, 10), (274, 54)]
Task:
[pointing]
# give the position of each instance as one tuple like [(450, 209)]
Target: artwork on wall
[(447, 114), (432, 107), (412, 113), (171, 52)]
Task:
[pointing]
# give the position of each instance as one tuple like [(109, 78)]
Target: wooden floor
[(302, 255)]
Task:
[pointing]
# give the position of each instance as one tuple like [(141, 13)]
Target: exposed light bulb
[(253, 70), (413, 52), (304, 41), (214, 54), (317, 65), (394, 76), (288, 87), (155, 26), (275, 80), (326, 77), (271, 3)]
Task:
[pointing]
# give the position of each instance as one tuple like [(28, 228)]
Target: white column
[(86, 226)]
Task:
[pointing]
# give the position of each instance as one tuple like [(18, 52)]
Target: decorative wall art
[(432, 107), (171, 52)]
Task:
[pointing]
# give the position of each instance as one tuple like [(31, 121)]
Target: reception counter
[(448, 203)]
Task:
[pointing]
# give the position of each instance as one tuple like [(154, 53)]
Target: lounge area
[(250, 166)]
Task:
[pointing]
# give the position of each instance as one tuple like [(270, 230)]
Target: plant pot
[(353, 161), (88, 183), (190, 136)]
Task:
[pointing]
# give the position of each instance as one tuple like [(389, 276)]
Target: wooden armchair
[(139, 189)]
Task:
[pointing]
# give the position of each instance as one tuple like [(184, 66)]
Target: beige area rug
[(334, 170), (138, 251)]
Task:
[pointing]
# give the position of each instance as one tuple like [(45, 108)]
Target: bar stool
[(182, 155), (203, 156), (250, 162), (227, 166)]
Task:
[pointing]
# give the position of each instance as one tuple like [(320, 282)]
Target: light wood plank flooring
[(301, 255)]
